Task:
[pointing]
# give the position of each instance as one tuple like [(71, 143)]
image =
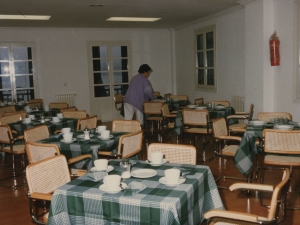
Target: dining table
[(143, 199), (41, 112), (248, 148), (79, 146), (21, 126)]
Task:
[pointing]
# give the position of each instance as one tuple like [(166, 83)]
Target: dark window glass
[(200, 42), (101, 78), (120, 64), (210, 58), (4, 53), (5, 82), (100, 65), (25, 95), (101, 91), (200, 60), (210, 40), (120, 77), (4, 68), (23, 67), (200, 76), (24, 81), (121, 89), (210, 77), (5, 95), (22, 53)]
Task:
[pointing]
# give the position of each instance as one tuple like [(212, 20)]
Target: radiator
[(237, 103), (68, 98)]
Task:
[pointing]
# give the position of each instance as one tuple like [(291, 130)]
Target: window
[(205, 46), (110, 69), (16, 72)]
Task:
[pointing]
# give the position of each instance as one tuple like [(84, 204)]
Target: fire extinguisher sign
[(274, 50)]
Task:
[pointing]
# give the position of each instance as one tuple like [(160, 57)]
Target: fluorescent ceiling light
[(133, 19), (23, 17)]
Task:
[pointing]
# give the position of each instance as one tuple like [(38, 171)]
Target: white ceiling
[(79, 13)]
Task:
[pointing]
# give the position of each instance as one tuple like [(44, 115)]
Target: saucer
[(63, 140), (163, 162), (55, 122), (102, 138), (163, 181), (109, 168), (82, 135), (144, 173), (25, 122), (103, 188)]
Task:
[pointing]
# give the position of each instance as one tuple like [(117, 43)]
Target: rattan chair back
[(75, 114), (10, 118), (153, 108), (5, 134), (47, 175), (39, 151), (166, 96), (33, 105), (36, 133), (195, 117), (89, 122), (22, 112), (267, 116), (156, 93), (221, 102), (58, 105), (174, 153), (199, 101), (118, 98), (179, 97), (126, 125), (73, 108), (130, 144), (220, 127), (36, 100), (165, 110), (6, 109)]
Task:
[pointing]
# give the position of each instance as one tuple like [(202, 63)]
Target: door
[(108, 75)]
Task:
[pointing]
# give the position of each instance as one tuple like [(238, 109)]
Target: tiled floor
[(14, 205)]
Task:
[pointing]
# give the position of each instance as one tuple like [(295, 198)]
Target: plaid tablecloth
[(247, 149), (66, 122), (50, 113), (82, 147), (81, 201)]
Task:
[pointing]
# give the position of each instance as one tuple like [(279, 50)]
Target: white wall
[(62, 57), (230, 38)]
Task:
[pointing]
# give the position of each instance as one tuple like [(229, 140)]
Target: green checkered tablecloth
[(82, 147), (82, 202), (20, 126)]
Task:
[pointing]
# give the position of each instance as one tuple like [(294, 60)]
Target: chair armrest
[(41, 196), (57, 131), (251, 186), (170, 116), (234, 138), (237, 117), (231, 215), (241, 113), (79, 158)]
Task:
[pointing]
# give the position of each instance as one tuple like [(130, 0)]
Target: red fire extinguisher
[(274, 50)]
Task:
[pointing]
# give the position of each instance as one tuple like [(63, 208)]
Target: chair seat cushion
[(223, 221), (282, 160), (239, 125), (198, 130), (17, 149), (230, 150), (154, 118)]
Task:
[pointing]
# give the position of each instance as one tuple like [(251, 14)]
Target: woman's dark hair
[(144, 68)]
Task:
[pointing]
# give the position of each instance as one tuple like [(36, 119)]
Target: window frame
[(12, 73), (204, 31)]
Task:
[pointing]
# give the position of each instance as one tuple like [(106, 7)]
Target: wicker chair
[(241, 127), (168, 122), (36, 133), (9, 147), (281, 149), (33, 105), (73, 108), (118, 98), (153, 110), (221, 134), (179, 97), (10, 118), (222, 102), (89, 122), (126, 125), (174, 153), (39, 100), (6, 109), (129, 145), (22, 112), (43, 178), (199, 101), (267, 116), (167, 96), (276, 212), (75, 114), (58, 105)]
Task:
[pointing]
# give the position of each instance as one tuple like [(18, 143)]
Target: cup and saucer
[(156, 164), (172, 178), (112, 184), (101, 165), (156, 159)]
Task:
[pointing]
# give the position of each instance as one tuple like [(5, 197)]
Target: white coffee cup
[(46, 107), (156, 157), (60, 115), (66, 130), (101, 164), (172, 176), (27, 120), (32, 117), (68, 136), (27, 108), (112, 182), (105, 134), (55, 119), (99, 129)]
